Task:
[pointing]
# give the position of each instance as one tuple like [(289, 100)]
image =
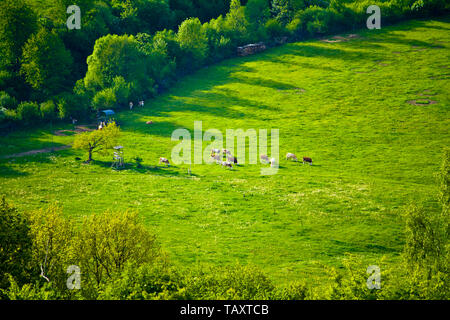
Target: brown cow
[(307, 160)]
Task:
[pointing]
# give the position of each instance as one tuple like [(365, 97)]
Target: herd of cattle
[(218, 155)]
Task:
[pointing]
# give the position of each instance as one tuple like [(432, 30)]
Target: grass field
[(372, 112)]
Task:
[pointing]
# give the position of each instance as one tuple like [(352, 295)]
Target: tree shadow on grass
[(8, 172), (144, 169)]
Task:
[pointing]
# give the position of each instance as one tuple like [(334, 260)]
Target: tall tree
[(17, 24), (46, 63), (15, 244)]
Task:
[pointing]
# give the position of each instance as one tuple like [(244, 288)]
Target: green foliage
[(229, 283), (29, 291), (275, 29), (72, 105), (100, 141), (15, 245), (193, 43), (145, 282), (52, 251), (17, 24), (46, 63), (236, 24), (118, 56), (48, 110), (257, 12), (295, 290), (109, 241), (351, 282), (6, 101), (28, 113)]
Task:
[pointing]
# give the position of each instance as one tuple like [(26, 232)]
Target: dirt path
[(37, 151)]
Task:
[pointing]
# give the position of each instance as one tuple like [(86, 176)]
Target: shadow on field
[(145, 169), (8, 172)]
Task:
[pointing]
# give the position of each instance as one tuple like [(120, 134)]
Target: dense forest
[(138, 48)]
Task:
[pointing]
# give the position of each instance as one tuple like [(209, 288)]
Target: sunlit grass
[(344, 104)]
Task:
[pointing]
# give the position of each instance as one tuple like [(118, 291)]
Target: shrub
[(192, 40), (275, 29), (71, 105), (53, 251), (104, 99), (28, 113), (149, 281), (48, 110), (230, 283), (6, 101), (15, 245), (296, 290), (109, 241)]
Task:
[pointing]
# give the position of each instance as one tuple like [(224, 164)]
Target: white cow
[(164, 160), (291, 156), (264, 158), (273, 162), (227, 164)]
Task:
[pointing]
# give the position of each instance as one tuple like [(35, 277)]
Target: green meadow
[(372, 112)]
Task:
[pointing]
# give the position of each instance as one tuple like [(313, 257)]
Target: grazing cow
[(216, 157), (164, 160), (149, 122), (227, 164), (264, 158), (273, 162), (291, 156), (232, 159), (307, 160)]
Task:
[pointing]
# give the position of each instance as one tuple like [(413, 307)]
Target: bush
[(104, 99), (149, 281), (48, 110), (15, 245), (53, 249), (28, 113), (275, 29), (71, 105), (109, 241), (6, 101), (193, 42), (230, 283)]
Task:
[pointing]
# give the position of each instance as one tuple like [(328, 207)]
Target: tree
[(236, 23), (17, 24), (52, 236), (257, 12), (46, 63), (115, 56), (28, 113), (109, 241), (193, 42), (98, 141), (15, 245)]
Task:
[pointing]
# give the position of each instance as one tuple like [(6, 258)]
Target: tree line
[(139, 48)]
